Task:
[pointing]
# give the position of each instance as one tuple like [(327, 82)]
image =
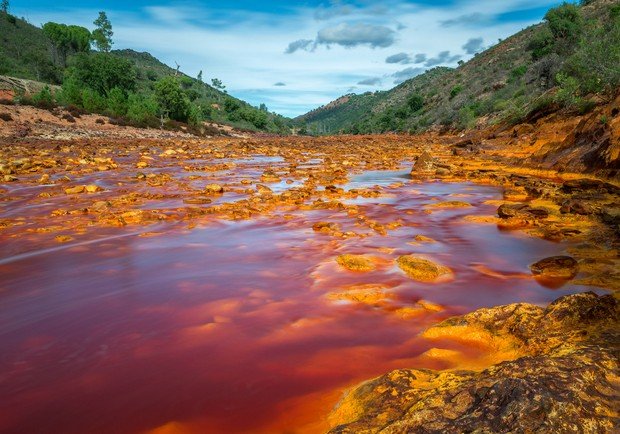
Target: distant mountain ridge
[(25, 52), (507, 82)]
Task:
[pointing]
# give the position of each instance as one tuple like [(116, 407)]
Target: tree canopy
[(67, 39), (102, 72)]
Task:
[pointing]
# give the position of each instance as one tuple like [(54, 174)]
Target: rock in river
[(214, 189), (421, 269), (560, 267), (355, 262), (424, 164)]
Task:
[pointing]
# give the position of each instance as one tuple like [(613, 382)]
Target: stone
[(589, 185), (263, 189), (75, 190), (355, 262), (45, 179), (572, 206), (421, 269), (214, 189), (521, 210), (93, 188), (561, 267), (425, 163)]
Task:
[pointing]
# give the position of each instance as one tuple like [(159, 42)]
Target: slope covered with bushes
[(569, 62), (132, 87)]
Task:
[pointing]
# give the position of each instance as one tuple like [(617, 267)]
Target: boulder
[(558, 376), (425, 163), (560, 267)]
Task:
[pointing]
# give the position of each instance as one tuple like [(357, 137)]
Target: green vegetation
[(560, 64), (102, 35), (131, 87), (455, 91), (66, 40)]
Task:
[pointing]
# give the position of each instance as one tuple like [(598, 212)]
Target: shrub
[(231, 105), (518, 72), (71, 93), (455, 91), (44, 98), (596, 62), (568, 91), (545, 70), (565, 22), (415, 102), (75, 111), (172, 99), (541, 44), (92, 101), (117, 102), (466, 118), (142, 109), (195, 116)]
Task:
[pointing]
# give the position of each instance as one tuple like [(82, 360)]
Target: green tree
[(142, 108), (67, 40), (92, 101), (102, 35), (103, 72), (4, 6), (199, 76), (565, 23), (195, 115), (415, 102), (171, 98), (117, 102), (217, 83), (71, 92)]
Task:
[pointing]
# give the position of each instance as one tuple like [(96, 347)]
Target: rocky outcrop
[(424, 164), (22, 85), (563, 379)]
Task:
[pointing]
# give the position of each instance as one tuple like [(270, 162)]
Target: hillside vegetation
[(569, 62), (131, 87)]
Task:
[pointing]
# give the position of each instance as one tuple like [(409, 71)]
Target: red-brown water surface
[(226, 327)]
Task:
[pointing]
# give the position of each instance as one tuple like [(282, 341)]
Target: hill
[(531, 72), (27, 52)]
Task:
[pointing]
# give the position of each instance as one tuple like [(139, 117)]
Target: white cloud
[(247, 49), (353, 35), (402, 58)]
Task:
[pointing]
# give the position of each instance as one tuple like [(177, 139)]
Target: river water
[(228, 326)]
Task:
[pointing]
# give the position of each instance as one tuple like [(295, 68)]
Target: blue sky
[(296, 56)]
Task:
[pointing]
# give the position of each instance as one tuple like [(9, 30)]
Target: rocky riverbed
[(244, 284)]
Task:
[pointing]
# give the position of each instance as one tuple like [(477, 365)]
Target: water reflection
[(229, 327)]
